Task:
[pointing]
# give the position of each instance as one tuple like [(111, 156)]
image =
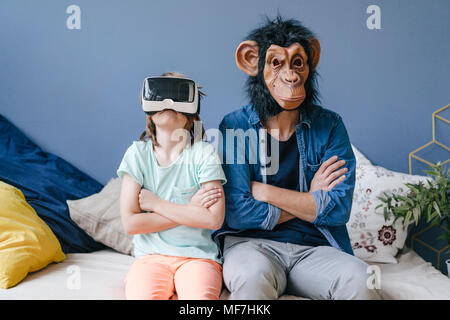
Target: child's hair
[(150, 130)]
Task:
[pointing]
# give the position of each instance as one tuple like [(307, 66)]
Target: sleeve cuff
[(272, 217), (222, 179), (324, 204), (121, 172)]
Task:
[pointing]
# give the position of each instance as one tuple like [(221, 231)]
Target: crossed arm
[(207, 207), (294, 204), (205, 210)]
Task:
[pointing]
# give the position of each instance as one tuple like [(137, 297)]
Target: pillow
[(26, 243), (373, 239), (360, 158), (99, 216), (46, 181)]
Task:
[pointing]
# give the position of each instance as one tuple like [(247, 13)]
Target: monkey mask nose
[(292, 78)]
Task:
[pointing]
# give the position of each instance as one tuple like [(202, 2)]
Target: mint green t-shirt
[(176, 183)]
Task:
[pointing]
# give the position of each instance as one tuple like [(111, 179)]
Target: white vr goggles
[(179, 94)]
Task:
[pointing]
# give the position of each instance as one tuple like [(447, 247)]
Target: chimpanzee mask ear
[(314, 47), (247, 57)]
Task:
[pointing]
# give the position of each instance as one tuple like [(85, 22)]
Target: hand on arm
[(328, 176), (205, 210), (134, 199), (207, 196), (294, 204)]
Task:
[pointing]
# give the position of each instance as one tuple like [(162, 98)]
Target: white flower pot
[(447, 262)]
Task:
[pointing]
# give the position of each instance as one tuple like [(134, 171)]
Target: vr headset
[(179, 94)]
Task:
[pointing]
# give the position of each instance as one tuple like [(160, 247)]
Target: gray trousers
[(265, 269)]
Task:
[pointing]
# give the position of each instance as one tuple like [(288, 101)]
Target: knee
[(255, 282), (148, 282), (202, 290), (352, 284), (199, 279)]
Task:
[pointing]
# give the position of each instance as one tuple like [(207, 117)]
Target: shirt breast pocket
[(312, 169), (183, 194)]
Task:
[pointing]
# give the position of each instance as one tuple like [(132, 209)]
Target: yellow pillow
[(26, 242)]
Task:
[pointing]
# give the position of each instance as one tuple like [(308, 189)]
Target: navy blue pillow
[(46, 181)]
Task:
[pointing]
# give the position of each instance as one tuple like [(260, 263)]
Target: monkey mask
[(280, 59)]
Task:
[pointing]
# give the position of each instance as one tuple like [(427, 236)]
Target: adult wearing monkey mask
[(284, 229)]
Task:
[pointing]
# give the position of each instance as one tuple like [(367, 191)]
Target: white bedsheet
[(101, 277), (413, 279)]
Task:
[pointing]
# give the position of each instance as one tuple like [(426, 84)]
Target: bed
[(98, 253), (101, 275)]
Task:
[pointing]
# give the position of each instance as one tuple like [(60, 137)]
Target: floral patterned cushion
[(373, 239)]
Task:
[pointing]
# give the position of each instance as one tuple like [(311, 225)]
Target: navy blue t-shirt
[(295, 231)]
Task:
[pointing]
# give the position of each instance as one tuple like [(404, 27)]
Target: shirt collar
[(254, 119)]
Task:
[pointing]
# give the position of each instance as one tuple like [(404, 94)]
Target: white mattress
[(102, 273)]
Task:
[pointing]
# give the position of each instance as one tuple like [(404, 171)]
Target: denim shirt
[(320, 135)]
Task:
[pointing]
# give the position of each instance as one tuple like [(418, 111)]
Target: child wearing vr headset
[(172, 197)]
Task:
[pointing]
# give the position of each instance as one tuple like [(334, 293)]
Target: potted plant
[(428, 202)]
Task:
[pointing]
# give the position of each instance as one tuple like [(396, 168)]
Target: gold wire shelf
[(413, 154)]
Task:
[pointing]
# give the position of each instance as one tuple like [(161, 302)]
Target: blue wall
[(75, 92)]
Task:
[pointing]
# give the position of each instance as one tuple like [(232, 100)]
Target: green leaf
[(401, 209), (407, 218), (430, 207), (410, 202), (395, 219), (434, 173), (436, 207), (434, 215), (416, 213), (413, 188)]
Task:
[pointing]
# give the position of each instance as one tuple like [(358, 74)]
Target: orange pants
[(160, 277)]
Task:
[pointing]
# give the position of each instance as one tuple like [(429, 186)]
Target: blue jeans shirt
[(320, 135)]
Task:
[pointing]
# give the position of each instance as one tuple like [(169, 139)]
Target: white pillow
[(360, 158), (373, 239)]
